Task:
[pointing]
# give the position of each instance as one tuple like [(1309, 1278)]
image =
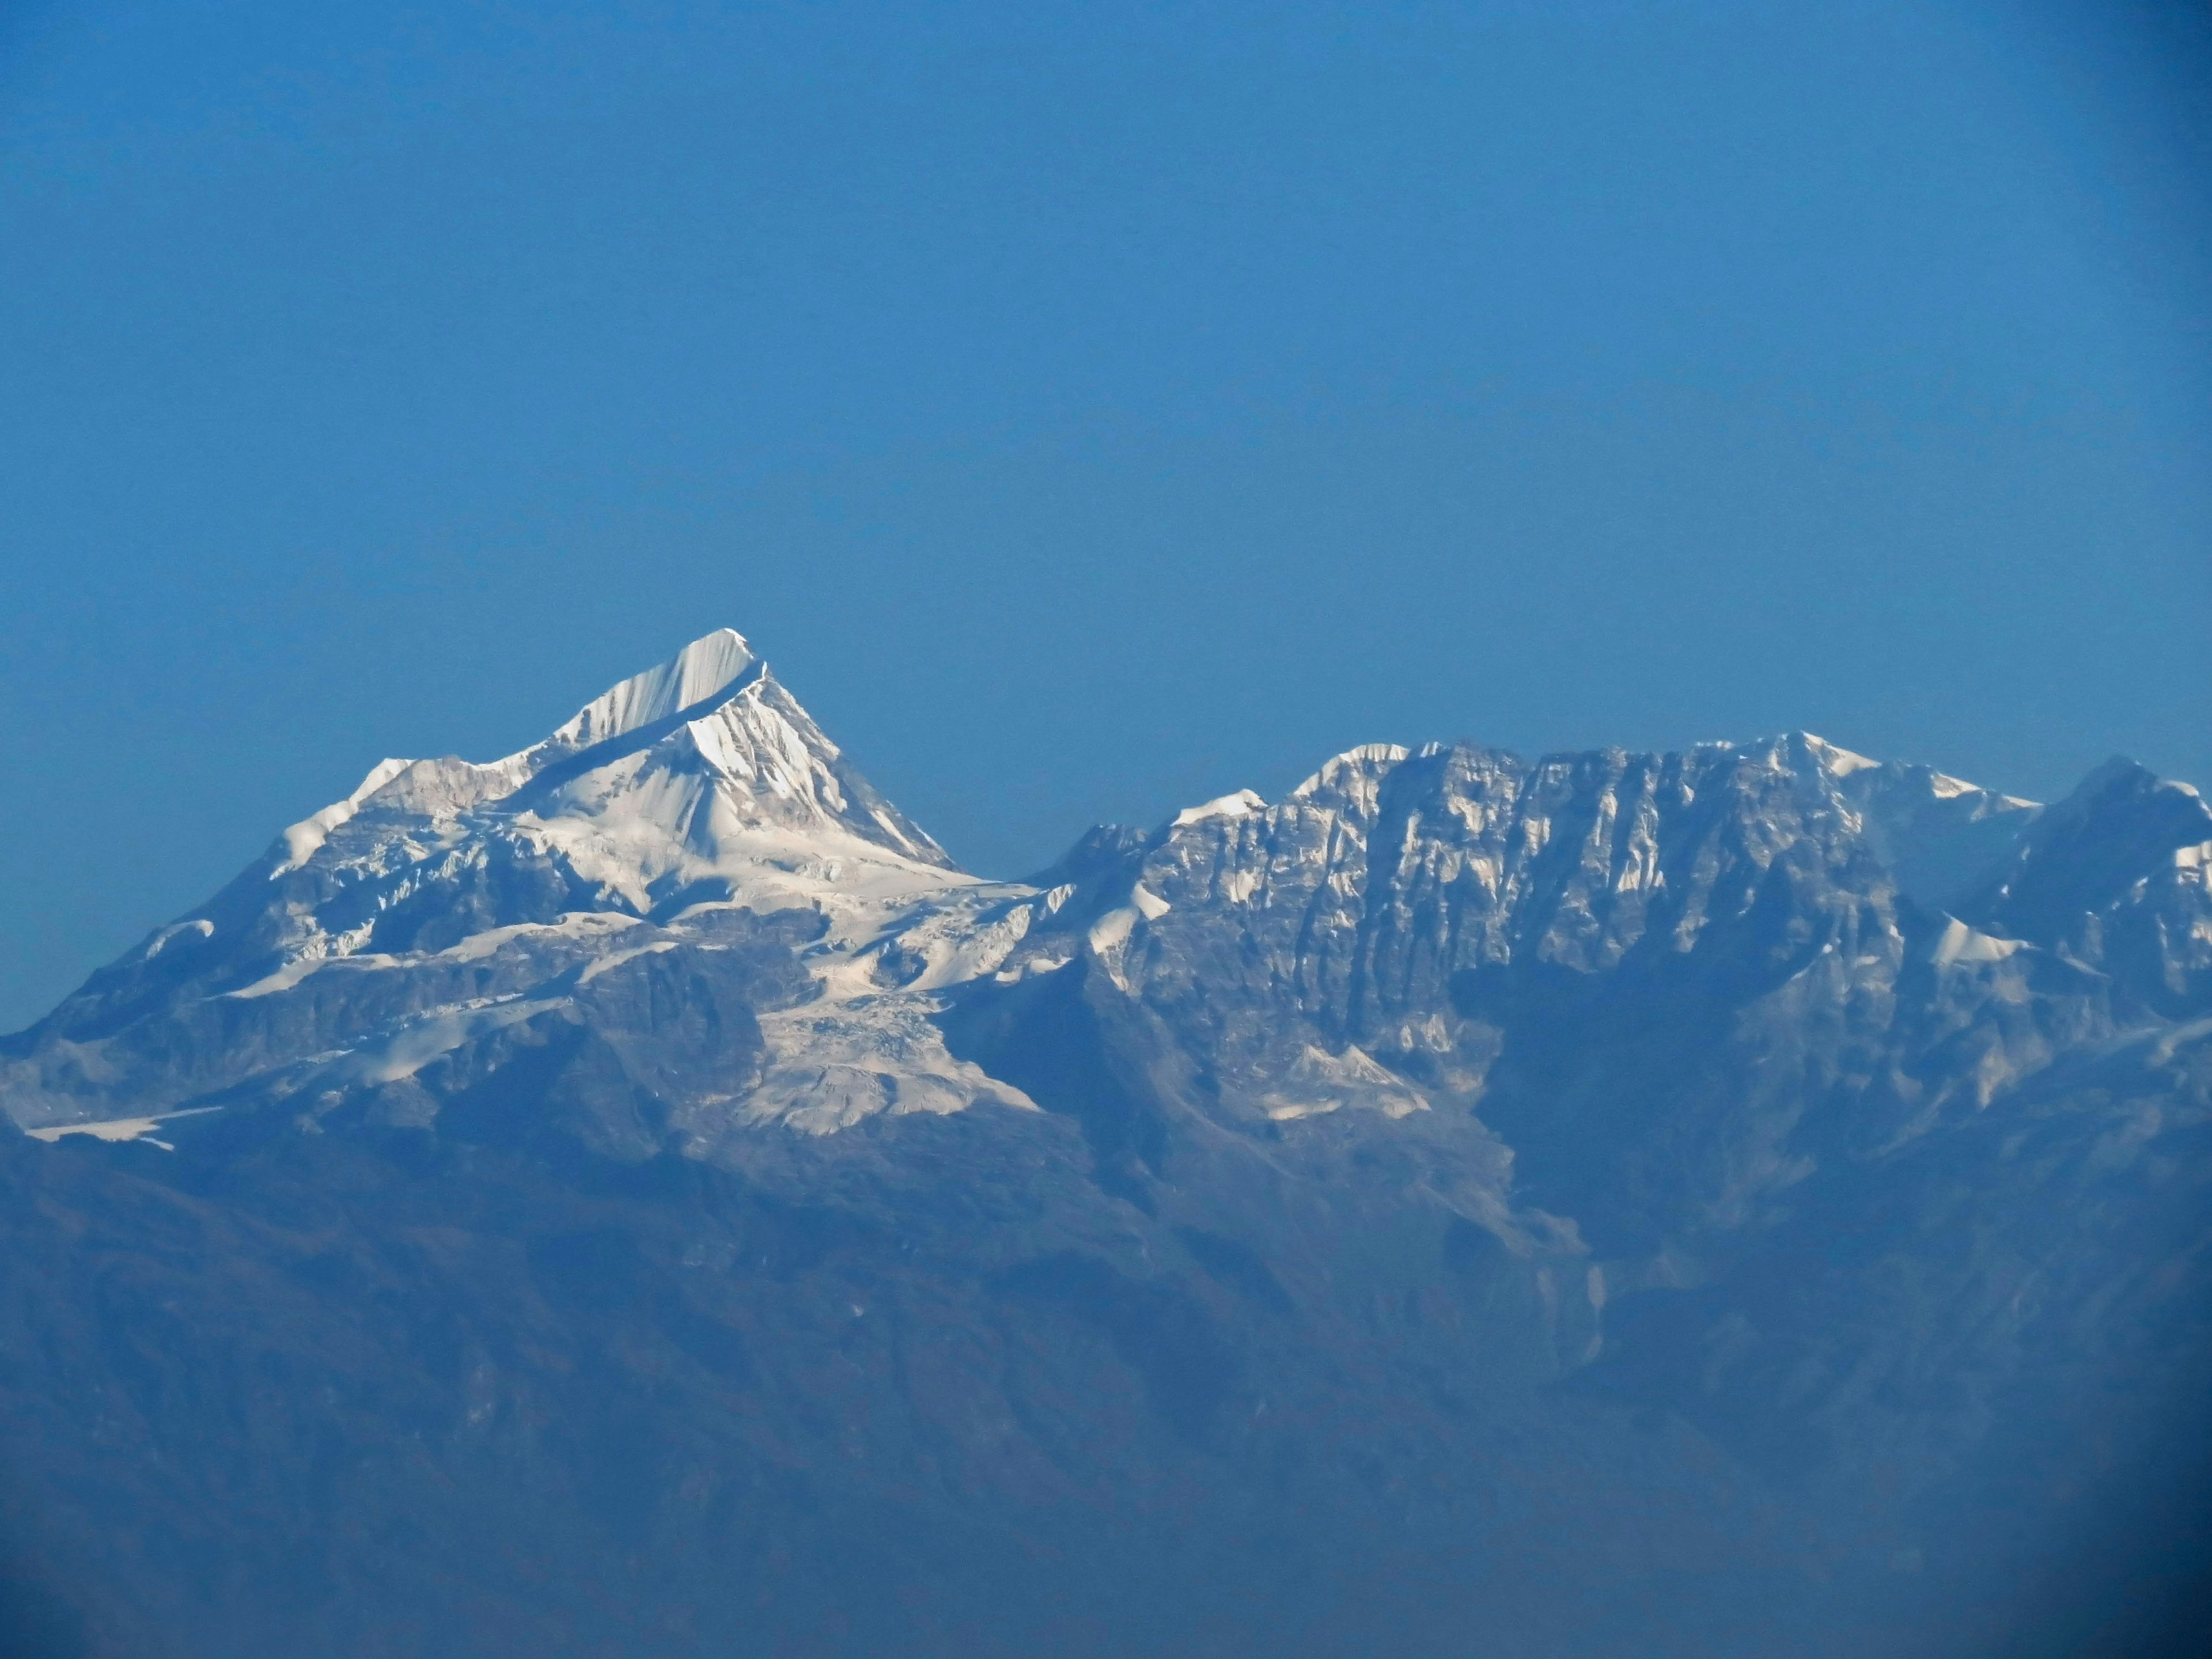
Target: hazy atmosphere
[(1088, 409), (1230, 831)]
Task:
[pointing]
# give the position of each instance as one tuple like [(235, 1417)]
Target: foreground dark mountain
[(635, 1198)]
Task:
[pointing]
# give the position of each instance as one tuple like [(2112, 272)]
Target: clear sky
[(1088, 409)]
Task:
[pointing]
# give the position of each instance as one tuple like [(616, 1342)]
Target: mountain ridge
[(700, 786), (1624, 1203)]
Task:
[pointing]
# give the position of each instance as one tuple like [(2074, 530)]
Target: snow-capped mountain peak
[(696, 677), (695, 681), (678, 808), (694, 819), (702, 761)]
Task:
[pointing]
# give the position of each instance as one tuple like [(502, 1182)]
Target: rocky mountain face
[(637, 1197)]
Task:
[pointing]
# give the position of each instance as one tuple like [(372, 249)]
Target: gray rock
[(636, 1196)]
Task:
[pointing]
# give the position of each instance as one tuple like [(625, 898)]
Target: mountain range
[(638, 1196)]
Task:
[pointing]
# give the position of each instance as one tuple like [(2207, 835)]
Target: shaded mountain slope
[(635, 1197)]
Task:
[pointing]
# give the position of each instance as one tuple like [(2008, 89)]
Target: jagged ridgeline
[(639, 1197)]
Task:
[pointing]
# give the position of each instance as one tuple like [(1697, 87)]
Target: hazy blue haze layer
[(633, 1197)]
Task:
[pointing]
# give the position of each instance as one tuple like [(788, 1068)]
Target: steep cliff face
[(637, 1196), (1702, 973), (2114, 878)]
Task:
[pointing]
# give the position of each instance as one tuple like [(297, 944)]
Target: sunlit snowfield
[(1271, 1036)]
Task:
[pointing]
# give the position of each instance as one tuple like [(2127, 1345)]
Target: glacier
[(1743, 1199)]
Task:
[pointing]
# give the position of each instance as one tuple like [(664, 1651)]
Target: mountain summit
[(701, 762), (637, 1195), (1328, 949), (445, 901)]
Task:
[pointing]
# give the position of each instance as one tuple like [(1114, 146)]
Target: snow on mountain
[(645, 1154), (693, 823), (699, 766), (1371, 940), (443, 901), (695, 678)]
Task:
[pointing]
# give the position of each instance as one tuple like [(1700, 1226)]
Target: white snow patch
[(576, 925), (1317, 1081), (1112, 930), (1838, 761), (160, 942), (572, 925), (690, 677), (283, 980), (303, 838), (963, 936), (1959, 943), (118, 1128), (1333, 769), (616, 958), (410, 1050), (1029, 966), (831, 1065), (1239, 886), (1242, 804)]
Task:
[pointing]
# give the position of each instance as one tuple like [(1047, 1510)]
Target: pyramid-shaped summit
[(699, 677), (702, 761), (693, 810), (645, 1150), (701, 783)]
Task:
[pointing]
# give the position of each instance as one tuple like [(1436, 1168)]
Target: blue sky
[(1087, 408)]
